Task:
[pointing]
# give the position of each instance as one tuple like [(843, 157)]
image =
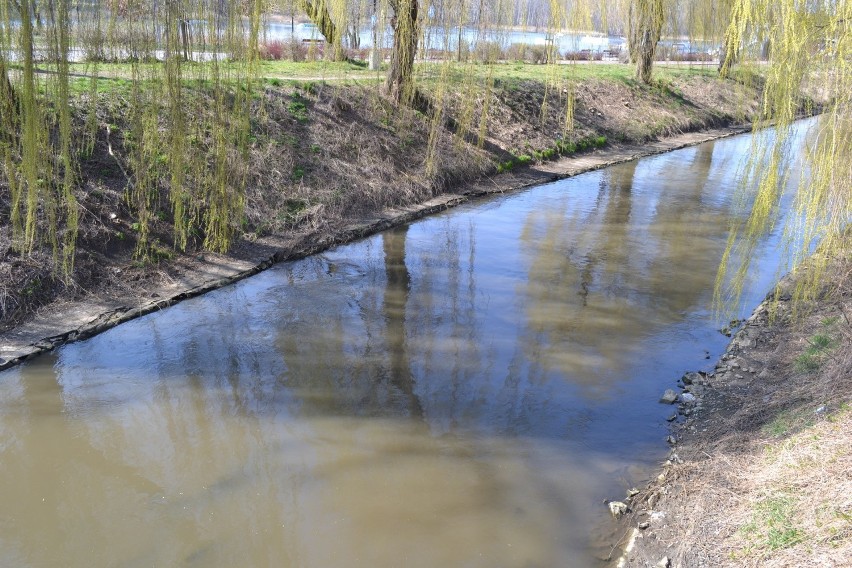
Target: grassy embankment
[(763, 474), (325, 146)]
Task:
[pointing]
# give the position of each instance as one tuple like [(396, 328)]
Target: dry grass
[(767, 473), (323, 153), (799, 509)]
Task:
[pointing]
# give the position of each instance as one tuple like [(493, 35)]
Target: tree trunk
[(185, 38), (7, 91), (632, 35), (404, 22), (9, 110), (728, 54), (647, 25), (317, 11)]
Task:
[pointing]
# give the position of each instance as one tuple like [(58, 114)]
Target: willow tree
[(810, 47), (399, 84), (181, 137), (8, 103), (645, 21), (36, 148), (319, 13)]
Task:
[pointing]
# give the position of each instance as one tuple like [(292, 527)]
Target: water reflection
[(463, 391)]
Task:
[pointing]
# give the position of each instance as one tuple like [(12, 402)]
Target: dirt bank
[(329, 164), (760, 472), (136, 291)]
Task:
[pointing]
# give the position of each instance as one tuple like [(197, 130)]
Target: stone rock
[(644, 525), (664, 562), (632, 493), (672, 418), (687, 397), (696, 390), (691, 378), (617, 508), (671, 440), (669, 397)]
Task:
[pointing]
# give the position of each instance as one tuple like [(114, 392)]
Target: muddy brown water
[(463, 391)]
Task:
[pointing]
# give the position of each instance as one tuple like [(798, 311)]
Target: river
[(463, 391)]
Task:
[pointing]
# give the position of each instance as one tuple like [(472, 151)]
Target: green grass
[(286, 69), (297, 108), (819, 348), (276, 73), (786, 422), (559, 149), (772, 525), (572, 71)]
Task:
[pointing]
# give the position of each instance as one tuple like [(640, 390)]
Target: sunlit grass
[(571, 71), (355, 70)]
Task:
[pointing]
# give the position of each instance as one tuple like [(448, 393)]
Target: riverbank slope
[(760, 473), (330, 163)]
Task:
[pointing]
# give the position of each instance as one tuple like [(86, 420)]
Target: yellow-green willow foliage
[(320, 12), (809, 46), (180, 126), (645, 24), (35, 144), (185, 118)]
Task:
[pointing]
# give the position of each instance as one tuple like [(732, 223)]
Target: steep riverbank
[(759, 472), (332, 163)]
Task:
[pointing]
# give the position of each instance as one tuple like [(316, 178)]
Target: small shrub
[(525, 53), (292, 211), (488, 52), (584, 55), (357, 56), (272, 51), (277, 50)]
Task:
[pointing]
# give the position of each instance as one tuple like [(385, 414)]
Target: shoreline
[(642, 505), (741, 424), (63, 322)]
